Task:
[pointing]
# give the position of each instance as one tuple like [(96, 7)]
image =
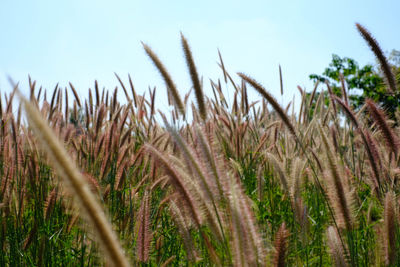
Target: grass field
[(88, 182)]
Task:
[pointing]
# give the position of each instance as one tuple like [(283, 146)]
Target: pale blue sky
[(80, 41)]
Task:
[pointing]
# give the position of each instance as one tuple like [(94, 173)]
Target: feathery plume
[(280, 245), (178, 182), (282, 114), (373, 44), (367, 140), (168, 261), (313, 95), (280, 79), (331, 96), (343, 87), (336, 248), (247, 244), (144, 231), (339, 197), (392, 140), (30, 238), (50, 203), (100, 116), (123, 87), (167, 79), (349, 113), (222, 66), (279, 169), (75, 94), (390, 228), (195, 78), (184, 230), (96, 89)]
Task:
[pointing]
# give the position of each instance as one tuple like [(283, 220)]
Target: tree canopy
[(362, 82)]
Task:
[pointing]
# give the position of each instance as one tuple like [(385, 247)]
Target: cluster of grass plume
[(240, 184)]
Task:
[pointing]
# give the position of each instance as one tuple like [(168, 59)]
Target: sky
[(80, 41)]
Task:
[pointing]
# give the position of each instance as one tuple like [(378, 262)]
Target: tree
[(362, 82)]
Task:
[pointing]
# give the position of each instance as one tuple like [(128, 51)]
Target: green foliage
[(361, 81)]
